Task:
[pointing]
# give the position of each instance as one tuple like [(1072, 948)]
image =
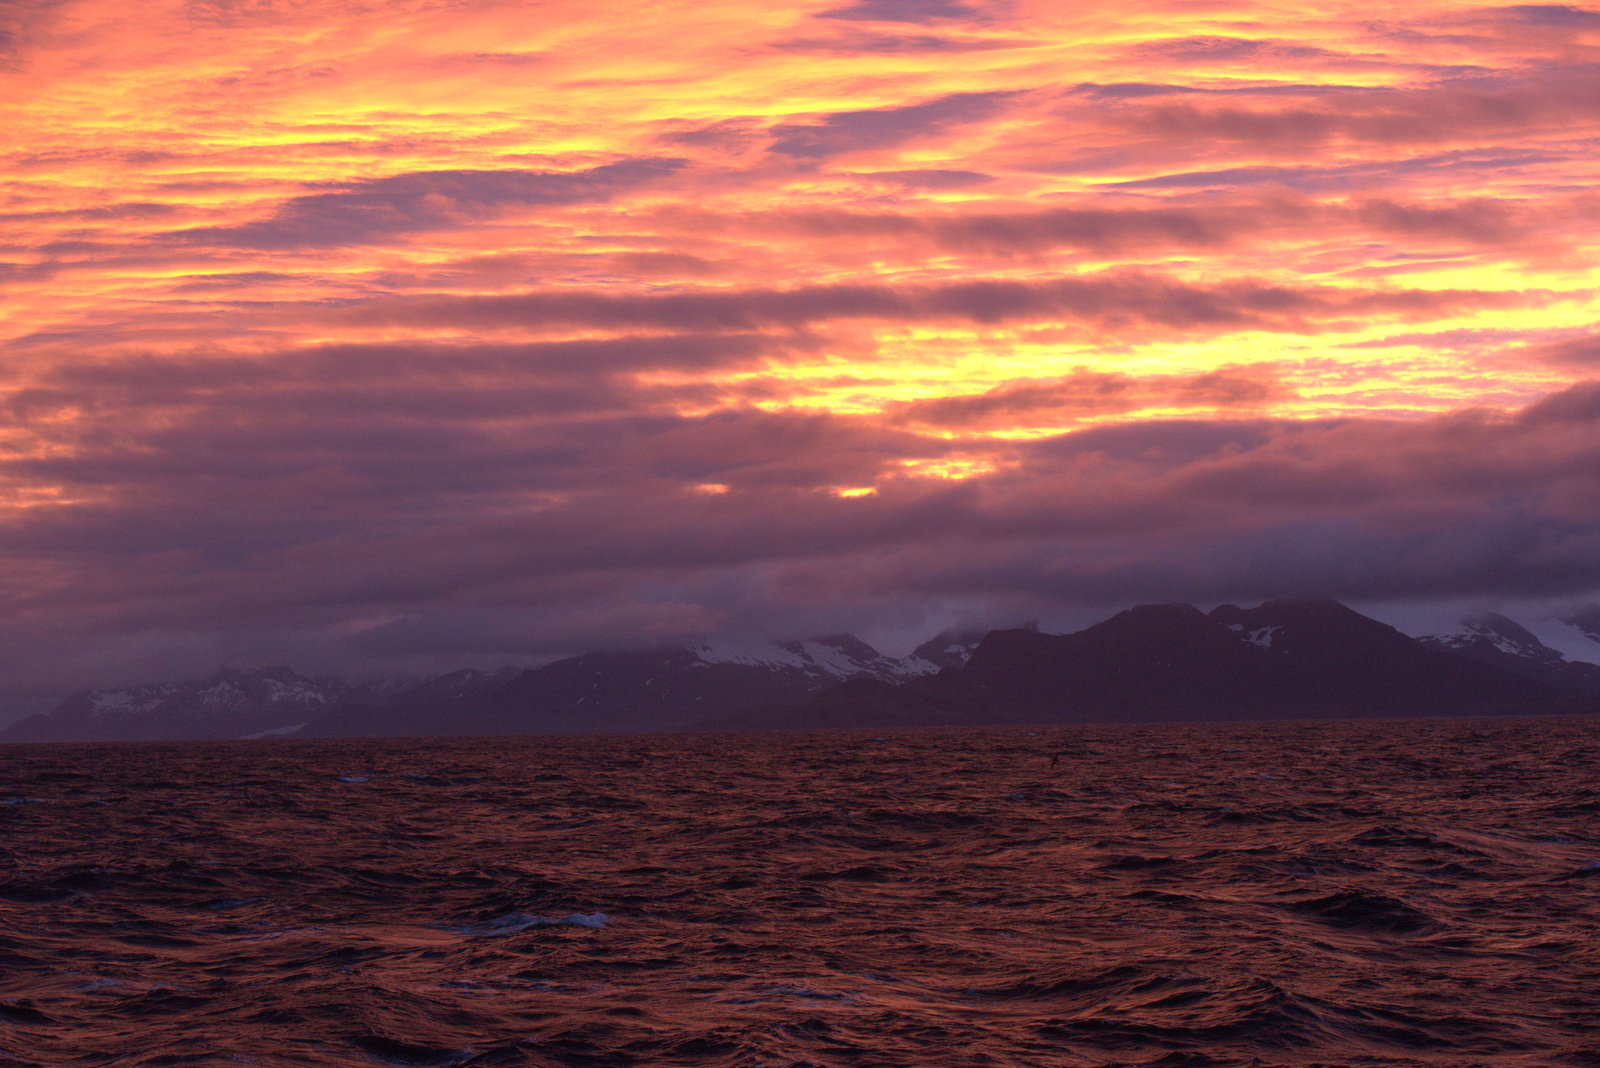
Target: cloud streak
[(880, 128), (374, 210), (1116, 300)]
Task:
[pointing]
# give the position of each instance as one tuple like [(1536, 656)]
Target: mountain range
[(1280, 660)]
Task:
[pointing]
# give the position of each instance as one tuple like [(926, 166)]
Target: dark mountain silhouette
[(410, 708), (651, 690), (1336, 662), (1281, 660)]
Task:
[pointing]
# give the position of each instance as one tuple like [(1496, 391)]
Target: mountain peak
[(1169, 622), (1496, 626), (950, 648), (1306, 626), (1492, 638)]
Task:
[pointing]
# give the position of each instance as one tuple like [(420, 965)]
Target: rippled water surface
[(1422, 893)]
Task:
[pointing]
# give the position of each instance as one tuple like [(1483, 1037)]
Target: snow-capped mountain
[(1281, 660), (661, 689), (648, 690), (229, 704), (1494, 639), (1586, 621), (831, 659), (1491, 630), (949, 649)]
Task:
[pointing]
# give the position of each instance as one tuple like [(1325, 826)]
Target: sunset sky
[(403, 336)]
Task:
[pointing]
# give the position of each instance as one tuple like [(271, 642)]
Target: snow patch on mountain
[(128, 702), (1262, 636), (231, 703), (295, 691), (831, 659), (1548, 639), (949, 649), (1582, 625), (221, 696), (914, 666), (749, 652)]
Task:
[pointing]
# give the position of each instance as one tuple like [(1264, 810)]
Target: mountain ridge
[(1163, 662), (1492, 638)]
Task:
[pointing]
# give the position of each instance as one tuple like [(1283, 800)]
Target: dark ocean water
[(1420, 893)]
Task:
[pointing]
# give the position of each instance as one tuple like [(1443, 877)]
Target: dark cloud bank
[(484, 505)]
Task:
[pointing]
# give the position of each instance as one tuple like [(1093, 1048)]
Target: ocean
[(1394, 893)]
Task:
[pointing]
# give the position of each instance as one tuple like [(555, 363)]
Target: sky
[(411, 335)]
